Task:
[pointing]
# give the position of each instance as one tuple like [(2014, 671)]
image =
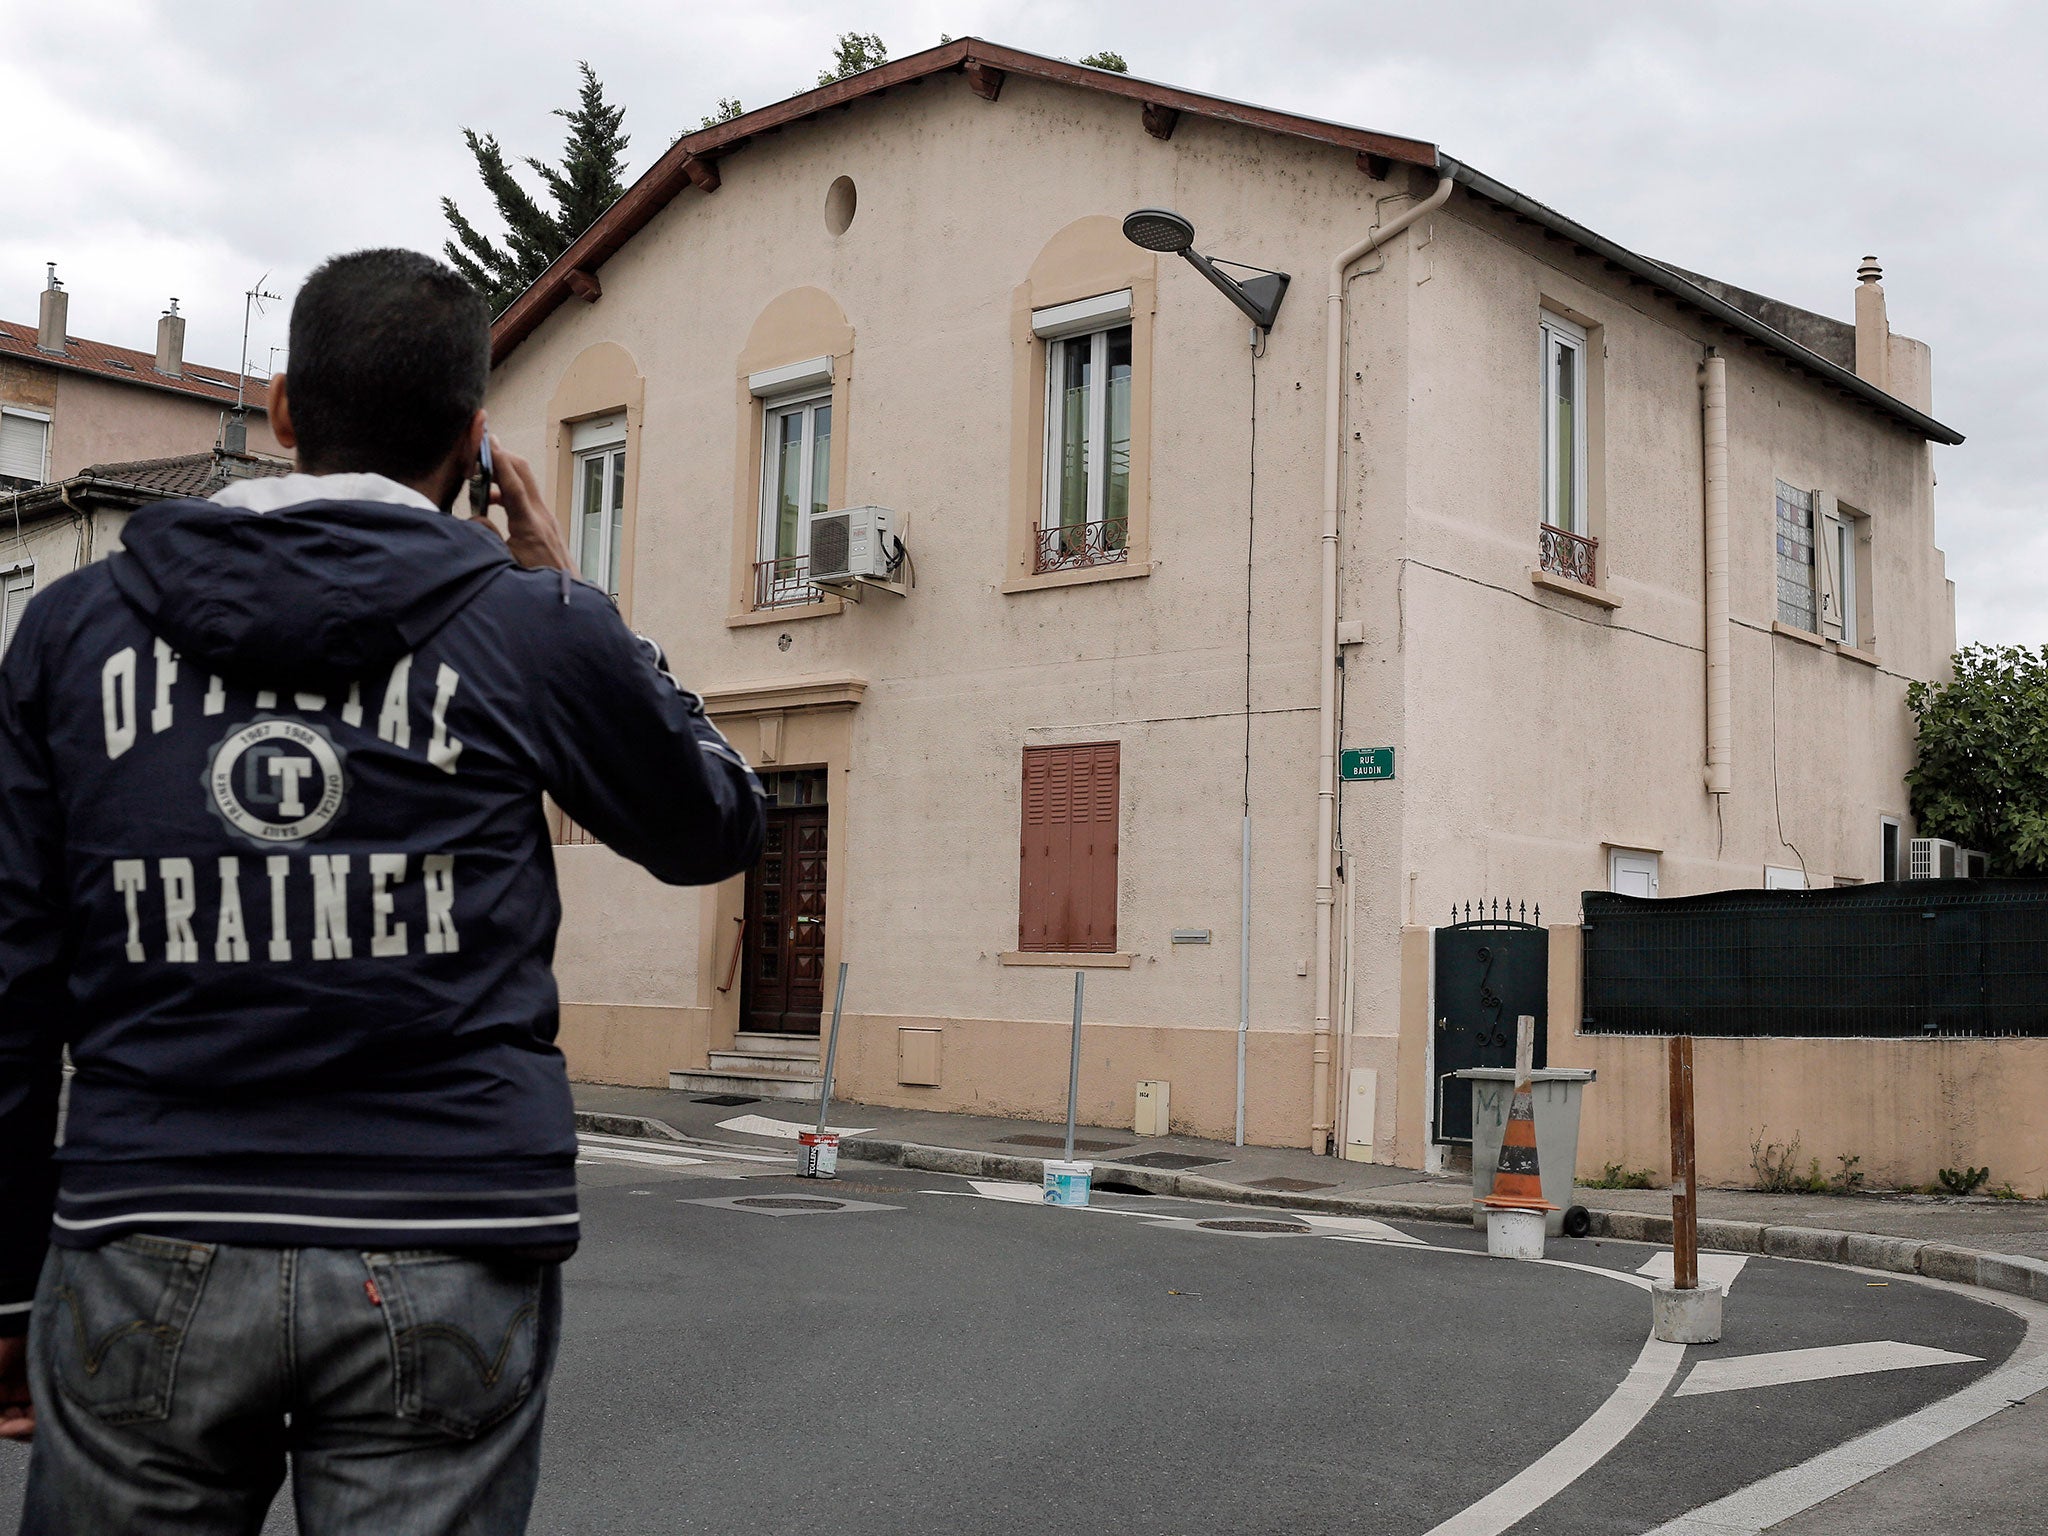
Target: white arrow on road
[(1738, 1373)]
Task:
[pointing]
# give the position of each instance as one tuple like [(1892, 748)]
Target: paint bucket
[(817, 1154), (1513, 1234), (1066, 1183)]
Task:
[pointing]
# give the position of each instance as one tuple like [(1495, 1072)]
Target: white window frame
[(603, 440), (1898, 830), (1560, 334), (1642, 860), (772, 412), (43, 471), (1097, 341), (18, 576), (1779, 877)]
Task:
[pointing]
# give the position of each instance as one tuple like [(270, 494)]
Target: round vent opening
[(841, 202)]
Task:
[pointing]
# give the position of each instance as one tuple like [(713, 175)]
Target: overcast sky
[(187, 147)]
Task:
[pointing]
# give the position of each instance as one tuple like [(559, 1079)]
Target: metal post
[(1685, 1215), (1244, 968), (831, 1049), (1074, 1065), (1525, 1047)]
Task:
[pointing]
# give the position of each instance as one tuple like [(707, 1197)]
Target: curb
[(1896, 1255)]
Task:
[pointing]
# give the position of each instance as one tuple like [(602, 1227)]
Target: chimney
[(170, 343), (55, 312), (234, 433), (1873, 330)]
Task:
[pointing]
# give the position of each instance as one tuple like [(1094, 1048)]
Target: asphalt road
[(932, 1357)]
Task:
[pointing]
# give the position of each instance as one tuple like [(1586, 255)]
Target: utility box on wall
[(1153, 1114), (917, 1057)]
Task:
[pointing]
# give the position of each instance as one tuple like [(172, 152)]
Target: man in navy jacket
[(274, 867)]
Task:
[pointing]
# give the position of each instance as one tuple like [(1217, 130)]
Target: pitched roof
[(692, 161), (135, 481), (127, 366)]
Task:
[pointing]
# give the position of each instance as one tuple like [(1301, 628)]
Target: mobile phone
[(480, 482)]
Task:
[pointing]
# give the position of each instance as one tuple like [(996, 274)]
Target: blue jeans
[(173, 1379)]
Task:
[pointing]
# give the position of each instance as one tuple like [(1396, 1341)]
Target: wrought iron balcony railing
[(784, 583), (1075, 546), (1570, 555)]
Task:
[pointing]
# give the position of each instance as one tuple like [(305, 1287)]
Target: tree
[(1106, 60), (585, 184), (856, 51), (1981, 776), (728, 109)]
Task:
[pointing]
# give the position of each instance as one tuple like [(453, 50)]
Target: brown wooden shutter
[(1068, 853)]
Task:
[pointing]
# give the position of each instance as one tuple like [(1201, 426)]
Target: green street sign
[(1365, 763)]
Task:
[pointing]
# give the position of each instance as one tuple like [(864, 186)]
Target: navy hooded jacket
[(274, 866)]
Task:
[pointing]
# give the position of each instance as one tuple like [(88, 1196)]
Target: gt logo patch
[(276, 781)]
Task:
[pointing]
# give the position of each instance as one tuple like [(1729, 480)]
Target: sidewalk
[(1888, 1229)]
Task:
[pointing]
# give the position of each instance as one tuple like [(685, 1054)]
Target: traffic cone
[(1517, 1182)]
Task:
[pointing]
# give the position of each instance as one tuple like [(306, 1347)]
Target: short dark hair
[(390, 352)]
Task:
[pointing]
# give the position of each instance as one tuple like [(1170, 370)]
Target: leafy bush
[(1965, 1182), (1981, 775), (1850, 1180), (1777, 1168), (1614, 1176)]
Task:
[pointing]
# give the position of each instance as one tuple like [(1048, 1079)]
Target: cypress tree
[(585, 184)]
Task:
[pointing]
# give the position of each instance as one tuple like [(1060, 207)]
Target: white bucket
[(817, 1154), (1514, 1234), (1066, 1183)]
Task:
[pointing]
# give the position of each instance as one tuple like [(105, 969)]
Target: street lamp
[(1163, 230)]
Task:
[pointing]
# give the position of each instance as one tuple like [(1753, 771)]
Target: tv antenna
[(252, 300)]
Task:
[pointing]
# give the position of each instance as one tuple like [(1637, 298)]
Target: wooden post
[(1685, 1212), (1525, 1047)]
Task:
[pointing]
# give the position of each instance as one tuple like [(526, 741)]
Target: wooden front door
[(783, 987)]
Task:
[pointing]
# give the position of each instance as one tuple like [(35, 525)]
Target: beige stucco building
[(1629, 569)]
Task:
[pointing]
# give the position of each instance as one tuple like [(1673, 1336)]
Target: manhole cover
[(1061, 1143), (1170, 1160), (1237, 1224), (785, 1203), (1287, 1186)]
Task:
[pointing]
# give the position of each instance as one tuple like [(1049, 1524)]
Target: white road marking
[(1738, 1373), (638, 1159), (1355, 1226), (1567, 1461), (1004, 1189), (1715, 1268), (1782, 1495), (761, 1125)]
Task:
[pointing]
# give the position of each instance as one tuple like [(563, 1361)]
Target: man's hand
[(17, 1412), (531, 532)]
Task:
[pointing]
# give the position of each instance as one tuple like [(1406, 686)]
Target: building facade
[(67, 402), (1623, 582)]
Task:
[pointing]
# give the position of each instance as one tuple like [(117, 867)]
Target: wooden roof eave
[(687, 161)]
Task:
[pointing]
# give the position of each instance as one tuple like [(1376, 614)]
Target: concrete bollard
[(1691, 1316)]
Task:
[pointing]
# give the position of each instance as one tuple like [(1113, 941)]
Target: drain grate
[(726, 1100), (1288, 1186), (1241, 1224), (787, 1203), (1061, 1142), (1172, 1160)]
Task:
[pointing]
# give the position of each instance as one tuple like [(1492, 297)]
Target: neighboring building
[(66, 402), (1599, 650), (54, 529)]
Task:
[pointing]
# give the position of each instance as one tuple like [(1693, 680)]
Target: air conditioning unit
[(850, 544), (1935, 858)]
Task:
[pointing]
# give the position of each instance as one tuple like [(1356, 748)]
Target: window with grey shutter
[(1795, 559), (17, 586), (24, 449)]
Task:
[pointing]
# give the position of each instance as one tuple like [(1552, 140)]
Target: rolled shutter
[(16, 588), (24, 445)]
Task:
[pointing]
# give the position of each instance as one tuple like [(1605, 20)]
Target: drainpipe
[(1323, 1108), (1714, 435)]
